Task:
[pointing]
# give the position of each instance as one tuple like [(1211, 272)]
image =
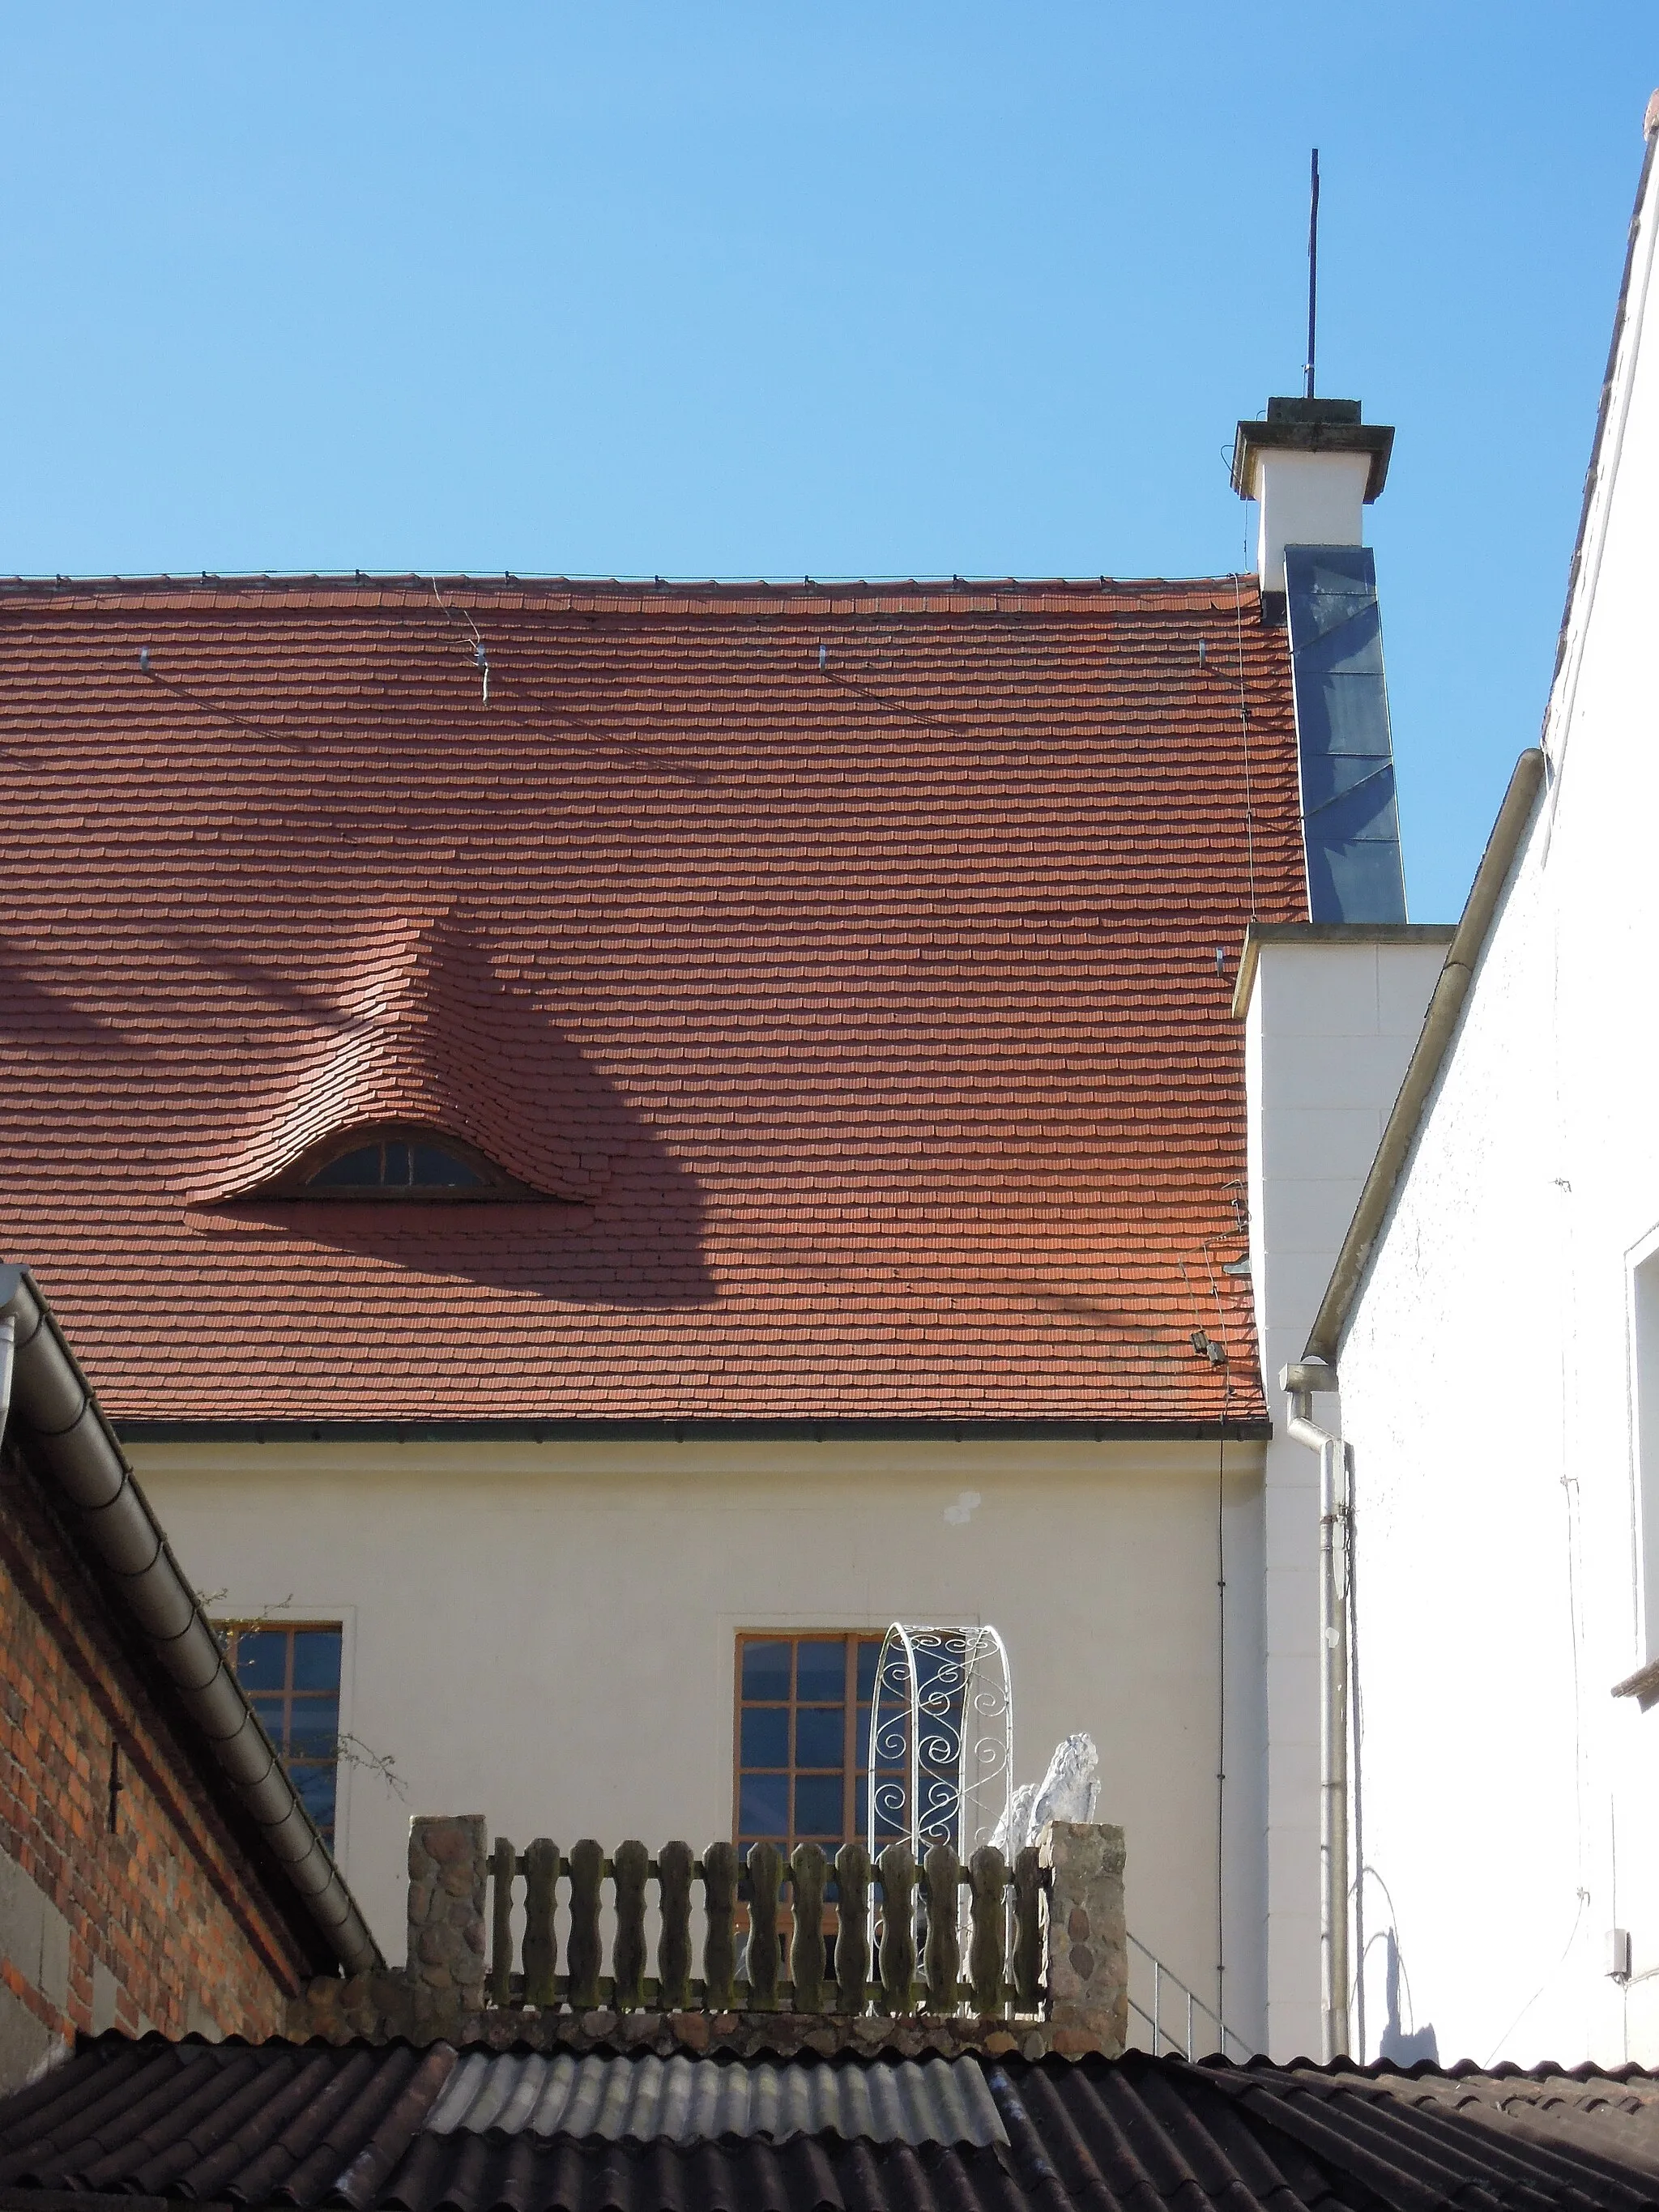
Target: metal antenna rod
[(1313, 271)]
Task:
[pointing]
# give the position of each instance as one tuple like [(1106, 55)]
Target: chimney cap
[(1312, 426), (1313, 411)]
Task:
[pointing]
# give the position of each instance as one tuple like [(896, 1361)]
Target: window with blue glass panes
[(292, 1677), (803, 1737)]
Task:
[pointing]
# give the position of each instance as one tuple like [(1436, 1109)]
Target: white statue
[(1070, 1791)]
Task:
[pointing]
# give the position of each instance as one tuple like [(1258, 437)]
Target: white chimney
[(1311, 467)]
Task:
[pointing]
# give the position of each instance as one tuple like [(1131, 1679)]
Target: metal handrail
[(1163, 2042)]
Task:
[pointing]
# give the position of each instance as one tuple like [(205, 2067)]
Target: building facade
[(153, 1871), (1491, 1321), (665, 1129)]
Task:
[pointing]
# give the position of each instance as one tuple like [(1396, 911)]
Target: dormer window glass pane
[(433, 1168), (397, 1164), (359, 1170)]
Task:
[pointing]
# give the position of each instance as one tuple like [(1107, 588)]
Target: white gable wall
[(543, 1631), (1331, 1017), (1509, 1805)]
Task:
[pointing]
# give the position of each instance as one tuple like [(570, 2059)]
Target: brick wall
[(135, 1908)]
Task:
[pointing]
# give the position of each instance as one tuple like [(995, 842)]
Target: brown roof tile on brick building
[(836, 963)]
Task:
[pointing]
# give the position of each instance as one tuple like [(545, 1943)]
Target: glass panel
[(316, 1658), (765, 1670), (861, 1740), (359, 1170), (262, 1658), (435, 1168), (314, 1724), (869, 1653), (820, 1737), (396, 1166), (763, 1805), (316, 1787), (269, 1710), (821, 1672), (818, 1805), (764, 1736)]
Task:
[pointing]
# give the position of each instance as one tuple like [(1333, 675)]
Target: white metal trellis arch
[(941, 1746)]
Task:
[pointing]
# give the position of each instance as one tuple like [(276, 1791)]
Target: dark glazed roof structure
[(836, 965), (390, 2129)]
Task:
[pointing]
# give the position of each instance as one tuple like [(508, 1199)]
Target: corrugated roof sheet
[(389, 2129), (839, 961), (934, 2101)]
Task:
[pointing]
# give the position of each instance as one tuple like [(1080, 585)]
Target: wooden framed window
[(802, 1736), (400, 1165), (291, 1673)]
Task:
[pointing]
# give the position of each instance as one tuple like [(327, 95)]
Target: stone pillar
[(448, 1871), (1087, 1962)]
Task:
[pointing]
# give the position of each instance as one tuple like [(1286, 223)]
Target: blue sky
[(734, 289)]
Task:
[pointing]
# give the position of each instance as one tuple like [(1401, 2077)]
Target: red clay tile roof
[(841, 960)]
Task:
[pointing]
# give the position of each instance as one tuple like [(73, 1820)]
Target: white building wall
[(1510, 1804), (587, 1597), (1307, 498), (1331, 1017)]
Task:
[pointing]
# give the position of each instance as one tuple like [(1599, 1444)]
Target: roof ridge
[(342, 581)]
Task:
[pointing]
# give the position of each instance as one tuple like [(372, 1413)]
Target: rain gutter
[(1439, 1025), (258, 1429), (72, 1444)]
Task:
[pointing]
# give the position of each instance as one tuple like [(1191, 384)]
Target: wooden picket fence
[(906, 1921)]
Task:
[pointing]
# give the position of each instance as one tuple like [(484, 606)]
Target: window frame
[(855, 1779), (493, 1185), (288, 1625)]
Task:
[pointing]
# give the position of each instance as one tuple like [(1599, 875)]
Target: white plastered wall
[(1503, 1509), (1333, 1015), (544, 1631), (1306, 499)]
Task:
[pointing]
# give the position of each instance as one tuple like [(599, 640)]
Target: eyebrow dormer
[(434, 1083), (407, 1163)]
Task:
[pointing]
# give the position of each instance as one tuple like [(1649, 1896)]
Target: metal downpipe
[(1299, 1382)]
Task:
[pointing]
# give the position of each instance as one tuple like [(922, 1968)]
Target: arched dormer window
[(400, 1163)]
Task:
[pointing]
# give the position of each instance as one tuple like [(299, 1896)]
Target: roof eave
[(107, 1518), (259, 1429), (1433, 1045)]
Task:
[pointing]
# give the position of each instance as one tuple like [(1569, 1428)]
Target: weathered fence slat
[(987, 1887), (503, 1866), (586, 1871), (852, 1926), (1003, 1903), (808, 1871), (541, 1878), (629, 1868), (898, 1915), (674, 1865), (1028, 1930), (719, 1899), (761, 1959), (942, 1953)]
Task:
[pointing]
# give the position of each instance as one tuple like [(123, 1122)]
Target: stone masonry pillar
[(448, 1869), (1088, 1953)]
